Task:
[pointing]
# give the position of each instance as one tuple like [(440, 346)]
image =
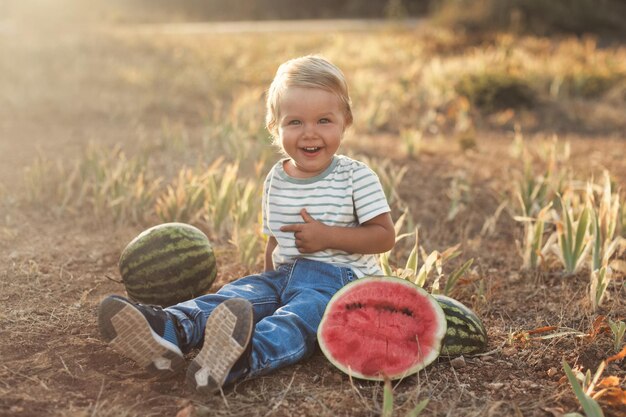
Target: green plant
[(573, 237), (590, 82), (390, 176), (104, 182), (432, 262), (496, 89), (412, 140), (536, 196), (605, 242), (536, 16), (599, 282), (384, 257), (184, 199), (533, 248), (233, 138), (222, 200), (455, 276), (247, 203), (388, 403), (588, 389), (38, 178), (532, 193), (605, 216), (459, 194), (589, 405), (222, 190), (618, 328), (248, 241), (535, 191)]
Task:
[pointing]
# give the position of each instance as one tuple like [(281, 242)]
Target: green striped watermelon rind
[(168, 263), (437, 335), (466, 334)]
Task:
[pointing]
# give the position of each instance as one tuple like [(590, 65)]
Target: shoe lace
[(155, 308)]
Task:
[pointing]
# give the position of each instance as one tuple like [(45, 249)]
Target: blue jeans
[(288, 306)]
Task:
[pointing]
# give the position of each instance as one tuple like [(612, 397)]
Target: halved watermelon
[(382, 327)]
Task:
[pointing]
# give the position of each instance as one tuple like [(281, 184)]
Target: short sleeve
[(368, 195)]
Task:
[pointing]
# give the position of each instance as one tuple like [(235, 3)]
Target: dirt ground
[(53, 273)]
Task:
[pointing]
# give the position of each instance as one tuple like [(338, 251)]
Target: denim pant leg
[(262, 290), (290, 333)]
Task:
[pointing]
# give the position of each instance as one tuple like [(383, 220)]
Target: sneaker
[(146, 334), (226, 346)]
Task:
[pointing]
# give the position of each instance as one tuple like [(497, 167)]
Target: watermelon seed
[(387, 307), (407, 311)]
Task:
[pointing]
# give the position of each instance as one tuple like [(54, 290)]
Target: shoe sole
[(128, 332), (227, 334)]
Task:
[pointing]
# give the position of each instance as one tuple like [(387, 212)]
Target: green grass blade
[(454, 277), (412, 262), (536, 243), (597, 242), (581, 234), (567, 243), (590, 406), (418, 408), (387, 399), (400, 222), (384, 263), (618, 328)]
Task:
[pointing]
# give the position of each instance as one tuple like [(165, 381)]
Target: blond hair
[(311, 71)]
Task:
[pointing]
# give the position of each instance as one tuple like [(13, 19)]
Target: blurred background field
[(415, 81), (492, 124)]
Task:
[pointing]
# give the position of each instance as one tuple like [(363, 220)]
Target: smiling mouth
[(311, 149)]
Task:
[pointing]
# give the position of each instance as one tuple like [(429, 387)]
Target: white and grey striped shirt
[(347, 193)]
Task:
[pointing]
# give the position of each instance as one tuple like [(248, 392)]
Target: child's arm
[(269, 249), (376, 235)]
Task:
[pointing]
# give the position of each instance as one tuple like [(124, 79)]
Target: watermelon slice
[(382, 327)]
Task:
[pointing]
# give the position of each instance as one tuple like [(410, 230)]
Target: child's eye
[(324, 120), (294, 122)]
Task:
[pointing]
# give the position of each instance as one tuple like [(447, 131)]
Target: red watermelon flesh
[(379, 327)]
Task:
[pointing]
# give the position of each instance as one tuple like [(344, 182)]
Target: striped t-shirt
[(347, 193)]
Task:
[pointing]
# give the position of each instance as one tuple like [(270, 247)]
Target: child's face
[(310, 129)]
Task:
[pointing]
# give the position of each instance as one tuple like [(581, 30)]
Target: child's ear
[(346, 126)]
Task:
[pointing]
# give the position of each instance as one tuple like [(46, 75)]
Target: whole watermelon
[(466, 334), (167, 264), (381, 327)]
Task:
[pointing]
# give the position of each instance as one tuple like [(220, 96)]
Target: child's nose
[(309, 129)]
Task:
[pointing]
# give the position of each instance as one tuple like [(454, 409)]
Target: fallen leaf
[(617, 357), (609, 381), (614, 396), (599, 325)]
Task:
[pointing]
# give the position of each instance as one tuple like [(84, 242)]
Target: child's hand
[(310, 235)]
